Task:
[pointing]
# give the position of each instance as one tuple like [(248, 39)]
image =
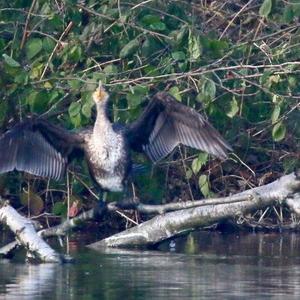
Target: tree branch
[(174, 223), (26, 234)]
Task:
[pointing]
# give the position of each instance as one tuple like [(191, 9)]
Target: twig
[(235, 16), (26, 24), (66, 31)]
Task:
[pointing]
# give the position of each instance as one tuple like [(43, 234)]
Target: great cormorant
[(44, 149)]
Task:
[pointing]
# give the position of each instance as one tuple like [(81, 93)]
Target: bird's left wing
[(165, 123)]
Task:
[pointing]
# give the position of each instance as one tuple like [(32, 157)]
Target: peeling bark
[(26, 234), (174, 223)]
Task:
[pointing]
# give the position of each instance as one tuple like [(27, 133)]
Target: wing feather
[(37, 147), (165, 123)]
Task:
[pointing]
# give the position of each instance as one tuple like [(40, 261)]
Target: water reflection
[(204, 265), (30, 282)]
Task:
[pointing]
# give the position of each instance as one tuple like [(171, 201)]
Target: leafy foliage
[(238, 66)]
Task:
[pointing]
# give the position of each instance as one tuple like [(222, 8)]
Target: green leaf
[(180, 37), (175, 92), (232, 108), (158, 26), (76, 120), (178, 55), (22, 78), (87, 109), (48, 44), (150, 19), (74, 84), (199, 162), (75, 53), (60, 209), (194, 46), (129, 49), (136, 95), (275, 114), (278, 132), (265, 8), (33, 47), (10, 61), (74, 109), (209, 88), (204, 185), (37, 101)]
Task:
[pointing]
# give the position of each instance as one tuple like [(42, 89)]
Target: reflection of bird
[(44, 149)]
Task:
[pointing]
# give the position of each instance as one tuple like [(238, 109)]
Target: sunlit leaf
[(87, 109), (74, 109), (209, 88), (10, 61), (232, 108), (204, 185), (175, 92), (275, 114), (199, 162), (278, 132), (158, 26), (194, 46), (76, 120), (265, 8)]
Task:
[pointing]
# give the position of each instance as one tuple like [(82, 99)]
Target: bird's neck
[(102, 124)]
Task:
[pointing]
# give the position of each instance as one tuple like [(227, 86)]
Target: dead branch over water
[(26, 235), (173, 223), (169, 223)]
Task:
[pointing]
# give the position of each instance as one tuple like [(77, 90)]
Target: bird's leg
[(101, 206)]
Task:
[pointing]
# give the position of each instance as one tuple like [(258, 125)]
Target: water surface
[(203, 265)]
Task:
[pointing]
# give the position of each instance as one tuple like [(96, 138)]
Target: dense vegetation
[(235, 61)]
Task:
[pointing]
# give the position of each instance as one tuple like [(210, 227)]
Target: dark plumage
[(44, 149)]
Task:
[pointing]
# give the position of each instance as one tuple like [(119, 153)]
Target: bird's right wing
[(37, 147)]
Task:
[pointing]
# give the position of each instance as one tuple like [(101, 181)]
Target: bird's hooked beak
[(100, 94)]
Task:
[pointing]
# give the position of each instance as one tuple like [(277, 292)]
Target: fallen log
[(26, 235), (174, 223), (89, 215)]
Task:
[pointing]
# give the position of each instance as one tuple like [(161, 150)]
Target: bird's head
[(100, 95)]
